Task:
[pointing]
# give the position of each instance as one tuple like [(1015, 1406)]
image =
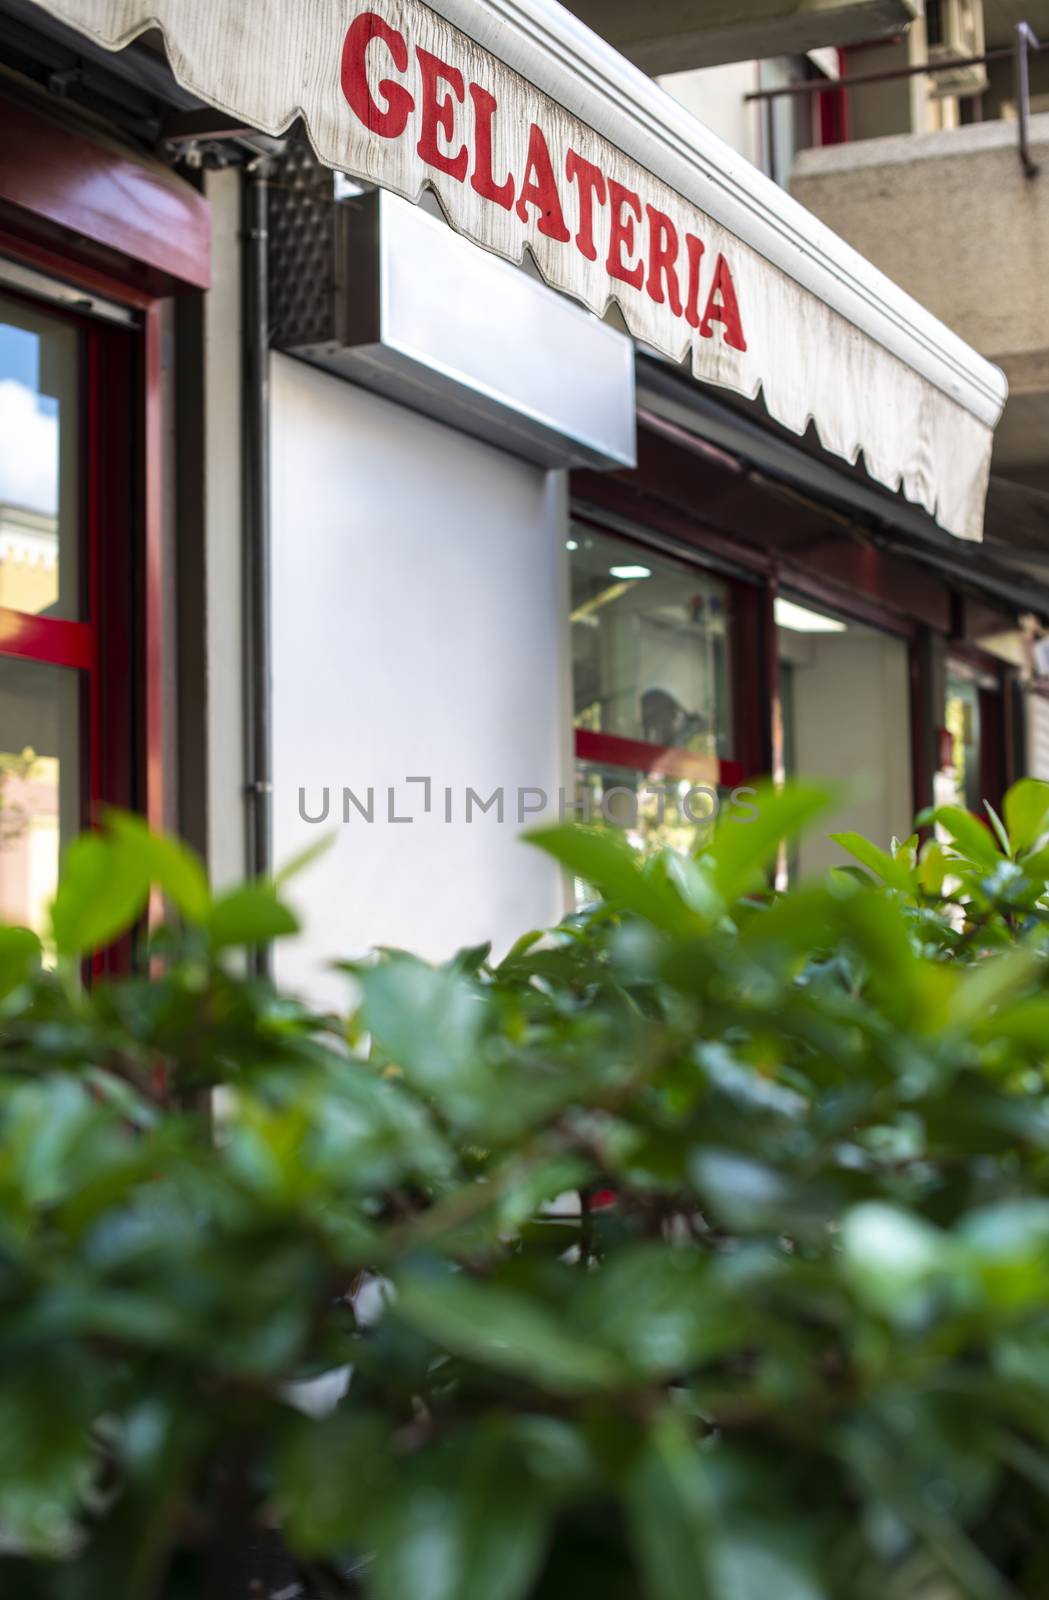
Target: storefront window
[(46, 650), (648, 647), (40, 416), (39, 784), (845, 719), (652, 699), (962, 721)]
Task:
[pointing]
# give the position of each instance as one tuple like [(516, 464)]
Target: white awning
[(536, 134)]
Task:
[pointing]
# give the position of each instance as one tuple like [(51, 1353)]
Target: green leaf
[(428, 1021), (46, 1462), (334, 1476), (1027, 814), (304, 859), (743, 851), (878, 1468), (532, 1185), (1036, 867), (888, 868), (672, 1517), (971, 840), (470, 960), (999, 827), (1024, 1024), (465, 1523), (659, 1308), (994, 979), (505, 1331), (932, 868), (893, 1258), (1010, 1242), (249, 916), (759, 1564), (742, 1192), (605, 858), (19, 958), (102, 893), (877, 928), (172, 866), (520, 947)]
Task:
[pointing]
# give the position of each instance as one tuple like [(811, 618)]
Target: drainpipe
[(1024, 38), (258, 667)]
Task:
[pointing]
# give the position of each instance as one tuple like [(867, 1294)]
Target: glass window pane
[(655, 812), (39, 462), (39, 784), (845, 710), (962, 719), (649, 647)]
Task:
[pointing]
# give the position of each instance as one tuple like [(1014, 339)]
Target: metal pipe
[(256, 545), (927, 68), (1023, 38)]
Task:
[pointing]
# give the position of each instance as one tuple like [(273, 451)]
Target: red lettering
[(483, 180), (695, 248), (724, 309), (591, 186), (391, 119), (539, 188), (438, 115), (662, 259), (621, 235)]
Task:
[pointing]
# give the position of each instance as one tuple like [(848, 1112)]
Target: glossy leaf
[(172, 867), (103, 892), (743, 851), (970, 838), (673, 1518), (19, 958), (1027, 814), (506, 1332), (605, 858), (250, 916), (889, 869)]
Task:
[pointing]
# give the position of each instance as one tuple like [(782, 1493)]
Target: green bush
[(696, 1251)]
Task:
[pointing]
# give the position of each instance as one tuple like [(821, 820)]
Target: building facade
[(316, 518)]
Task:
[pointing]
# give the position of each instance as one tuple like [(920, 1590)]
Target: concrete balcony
[(953, 219), (677, 35)]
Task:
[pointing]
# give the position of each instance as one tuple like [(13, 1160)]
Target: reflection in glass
[(844, 719), (656, 812), (649, 648), (39, 785), (39, 462), (650, 676), (962, 719)]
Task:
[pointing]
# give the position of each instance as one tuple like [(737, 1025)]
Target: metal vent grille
[(302, 243)]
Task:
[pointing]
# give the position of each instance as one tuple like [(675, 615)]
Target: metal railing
[(1024, 40)]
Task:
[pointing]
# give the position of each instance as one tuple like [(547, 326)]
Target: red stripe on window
[(65, 644), (656, 761)]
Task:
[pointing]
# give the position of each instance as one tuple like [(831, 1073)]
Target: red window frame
[(65, 213), (118, 647)]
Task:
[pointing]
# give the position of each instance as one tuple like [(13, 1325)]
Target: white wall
[(420, 628), (852, 725), (715, 95)]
